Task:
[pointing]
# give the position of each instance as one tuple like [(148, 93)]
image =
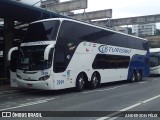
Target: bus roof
[(89, 24), (153, 50)]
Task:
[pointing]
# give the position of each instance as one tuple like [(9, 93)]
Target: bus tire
[(133, 77), (139, 76), (95, 80), (80, 82)]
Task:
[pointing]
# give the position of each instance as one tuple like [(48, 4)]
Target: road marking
[(127, 108), (107, 89), (100, 90), (143, 82), (89, 91), (154, 79), (122, 85), (148, 100), (19, 93), (8, 91), (28, 104)]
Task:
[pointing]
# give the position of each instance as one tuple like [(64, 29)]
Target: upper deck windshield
[(42, 31), (154, 61), (32, 58)]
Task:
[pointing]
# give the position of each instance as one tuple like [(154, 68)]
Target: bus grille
[(29, 80)]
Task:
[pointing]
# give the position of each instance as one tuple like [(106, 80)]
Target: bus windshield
[(32, 58), (42, 31), (154, 61)]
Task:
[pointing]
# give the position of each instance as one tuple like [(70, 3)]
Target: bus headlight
[(44, 77), (18, 76)]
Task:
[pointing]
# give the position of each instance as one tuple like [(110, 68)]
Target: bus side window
[(59, 61)]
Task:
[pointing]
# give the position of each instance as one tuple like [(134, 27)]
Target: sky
[(121, 8)]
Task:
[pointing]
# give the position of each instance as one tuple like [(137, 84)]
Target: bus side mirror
[(10, 52), (46, 52)]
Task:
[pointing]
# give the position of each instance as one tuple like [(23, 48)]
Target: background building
[(45, 4), (144, 29), (121, 29)]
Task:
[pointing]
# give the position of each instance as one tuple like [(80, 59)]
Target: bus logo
[(103, 48)]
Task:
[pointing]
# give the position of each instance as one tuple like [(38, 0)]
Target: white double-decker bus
[(62, 53), (155, 61)]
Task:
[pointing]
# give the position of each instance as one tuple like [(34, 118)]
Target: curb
[(3, 85), (5, 88)]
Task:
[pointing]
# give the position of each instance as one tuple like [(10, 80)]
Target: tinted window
[(126, 41), (103, 61), (92, 34), (72, 34), (32, 58), (97, 35), (42, 31), (154, 61), (66, 45)]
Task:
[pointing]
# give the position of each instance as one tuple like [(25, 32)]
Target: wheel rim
[(138, 76), (95, 81), (81, 82), (133, 77)]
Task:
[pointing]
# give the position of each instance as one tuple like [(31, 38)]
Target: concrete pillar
[(8, 42)]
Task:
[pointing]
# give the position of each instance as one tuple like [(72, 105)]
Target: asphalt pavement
[(104, 103)]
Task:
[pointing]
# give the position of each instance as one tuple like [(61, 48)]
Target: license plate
[(29, 85)]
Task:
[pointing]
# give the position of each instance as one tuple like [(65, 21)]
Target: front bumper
[(44, 85)]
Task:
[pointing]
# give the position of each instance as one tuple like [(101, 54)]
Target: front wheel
[(80, 82)]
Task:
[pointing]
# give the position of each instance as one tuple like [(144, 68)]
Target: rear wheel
[(80, 82), (139, 76), (94, 81), (133, 77)]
